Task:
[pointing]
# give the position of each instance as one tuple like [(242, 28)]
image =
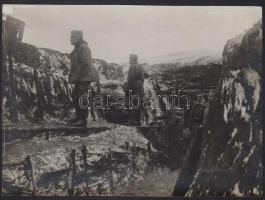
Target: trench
[(106, 159)]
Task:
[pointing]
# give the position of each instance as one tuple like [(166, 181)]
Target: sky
[(113, 32)]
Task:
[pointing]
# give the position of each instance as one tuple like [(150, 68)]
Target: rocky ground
[(231, 159), (155, 183), (94, 165)]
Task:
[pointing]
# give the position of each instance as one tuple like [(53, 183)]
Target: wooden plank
[(63, 128), (51, 128), (18, 132), (14, 133)]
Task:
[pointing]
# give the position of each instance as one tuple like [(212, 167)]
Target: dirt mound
[(231, 159)]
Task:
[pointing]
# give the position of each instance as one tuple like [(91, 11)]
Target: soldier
[(197, 112), (82, 74), (173, 132), (135, 82), (193, 153)]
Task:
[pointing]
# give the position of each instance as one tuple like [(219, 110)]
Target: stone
[(231, 160)]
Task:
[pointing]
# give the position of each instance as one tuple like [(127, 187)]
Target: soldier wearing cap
[(82, 74), (135, 82)]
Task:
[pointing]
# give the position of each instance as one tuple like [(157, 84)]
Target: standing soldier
[(82, 74), (193, 153), (135, 81)]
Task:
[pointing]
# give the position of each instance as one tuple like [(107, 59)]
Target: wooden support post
[(149, 151), (4, 141), (134, 146), (84, 156), (73, 161), (127, 146), (14, 109), (133, 158), (28, 172), (109, 159), (72, 167)]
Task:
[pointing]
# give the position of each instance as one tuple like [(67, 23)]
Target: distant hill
[(187, 57)]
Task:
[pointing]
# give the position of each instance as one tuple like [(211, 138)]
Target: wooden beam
[(14, 133)]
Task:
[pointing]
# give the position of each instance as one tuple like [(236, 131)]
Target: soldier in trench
[(82, 75), (174, 145), (198, 119)]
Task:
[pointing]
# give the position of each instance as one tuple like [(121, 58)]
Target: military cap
[(77, 33), (133, 57)]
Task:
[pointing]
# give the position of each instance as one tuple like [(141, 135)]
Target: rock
[(231, 158), (41, 84)]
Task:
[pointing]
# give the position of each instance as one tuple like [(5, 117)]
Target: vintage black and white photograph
[(127, 100)]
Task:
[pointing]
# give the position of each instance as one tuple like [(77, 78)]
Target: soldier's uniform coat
[(135, 79), (135, 83), (82, 69), (82, 74)]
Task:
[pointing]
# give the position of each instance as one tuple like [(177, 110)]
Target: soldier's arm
[(141, 73), (84, 57), (131, 75)]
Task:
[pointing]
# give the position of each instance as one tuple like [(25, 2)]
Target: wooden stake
[(72, 166), (28, 171), (110, 170), (14, 110)]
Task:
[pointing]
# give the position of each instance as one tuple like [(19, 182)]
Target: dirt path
[(154, 184)]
